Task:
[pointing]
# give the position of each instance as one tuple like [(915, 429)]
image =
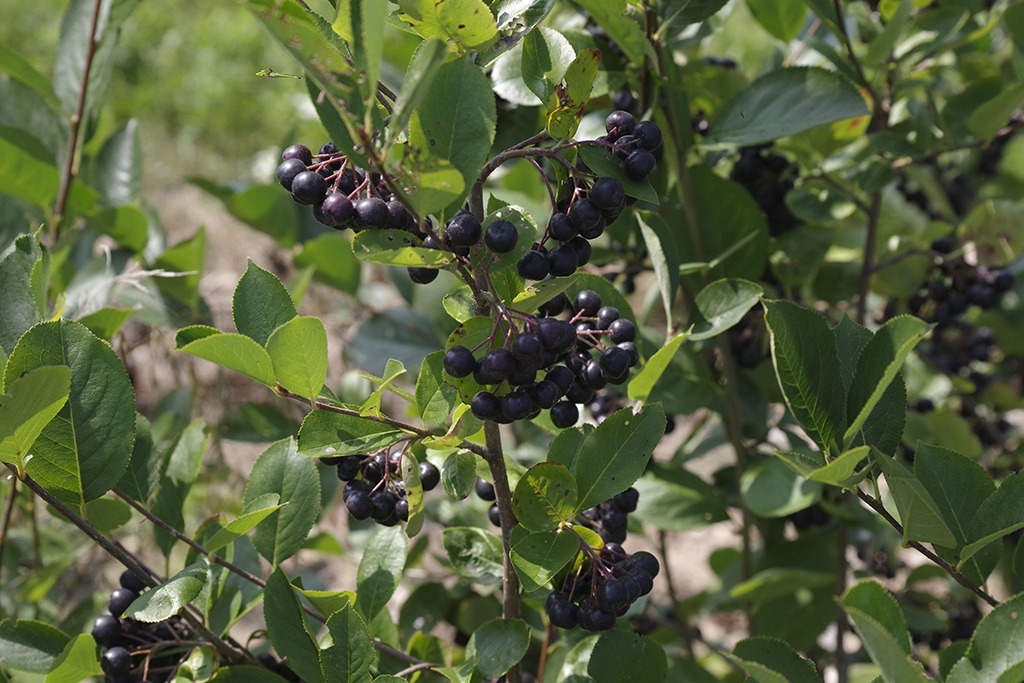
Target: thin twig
[(8, 513), (950, 569), (70, 169), (900, 257), (848, 44)]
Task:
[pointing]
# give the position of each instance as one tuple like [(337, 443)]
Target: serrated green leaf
[(325, 433), (77, 662), (410, 471), (540, 556), (380, 570), (1001, 513), (782, 18), (22, 71), (996, 650), (458, 474), (106, 321), (398, 248), (126, 225), (167, 599), (118, 173), (883, 630), (839, 471), (255, 511), (352, 655), (466, 24), (28, 645), (624, 656), (260, 304), (106, 514), (622, 26), (538, 293), (769, 660), (435, 398), (660, 241), (230, 350), (919, 514), (643, 383), (298, 350), (289, 633), (30, 402), (542, 61), (545, 497), (567, 102), (498, 645), (20, 308), (775, 582), (722, 304), (474, 553), (771, 489)]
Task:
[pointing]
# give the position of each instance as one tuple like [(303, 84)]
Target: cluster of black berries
[(561, 349), (342, 196), (462, 232), (768, 178), (610, 518), (606, 585), (374, 486), (954, 348), (954, 286)]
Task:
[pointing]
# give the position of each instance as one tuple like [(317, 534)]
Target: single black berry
[(578, 393), (943, 245), (119, 601), (611, 595), (495, 367), (485, 405), (556, 335), (287, 171), (430, 476), (622, 330), (627, 500), (348, 468), (372, 212), (587, 302), (129, 580), (484, 490), (533, 265), (328, 148), (463, 230), (337, 209), (545, 393), (646, 561), (614, 362), (528, 349), (594, 618), (585, 215), (359, 505), (583, 249), (607, 193), (402, 509), (422, 276), (561, 376), (494, 515), (562, 613), (648, 134), (459, 361), (606, 315), (116, 662), (639, 164), (501, 236), (383, 505), (561, 227), (300, 152), (564, 414), (1002, 281), (517, 405), (619, 123), (644, 579), (400, 218), (625, 146), (563, 260), (106, 630), (309, 188)]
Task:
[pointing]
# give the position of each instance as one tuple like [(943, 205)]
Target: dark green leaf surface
[(781, 18), (498, 645), (230, 350), (289, 632), (20, 308), (920, 515), (380, 570), (298, 350), (622, 27), (118, 174), (540, 556), (260, 304), (466, 24), (1002, 512), (397, 248), (768, 660), (545, 497), (167, 599), (435, 398), (722, 304), (28, 645), (30, 402), (474, 553), (883, 629), (352, 654), (77, 662), (996, 651), (335, 264), (458, 474), (771, 489), (325, 433), (623, 656)]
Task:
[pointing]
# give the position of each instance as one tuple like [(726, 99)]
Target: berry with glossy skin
[(309, 187), (556, 335), (555, 306), (106, 630), (348, 467), (459, 362), (484, 490), (648, 135), (563, 260), (116, 662), (1002, 281), (607, 194), (593, 376), (383, 505), (587, 302), (644, 579), (627, 500), (533, 265), (630, 348), (400, 218), (622, 330), (639, 164), (287, 171), (619, 123), (328, 148), (517, 405), (564, 414), (528, 349), (561, 227), (119, 601), (494, 515), (337, 209), (485, 405), (300, 152), (501, 236), (402, 509), (561, 376), (545, 393), (463, 230), (562, 613), (614, 362), (612, 596), (583, 249), (578, 393), (422, 276), (129, 580), (372, 212), (646, 561), (624, 99), (359, 505), (593, 618), (495, 367), (625, 146), (430, 476), (606, 315), (585, 215)]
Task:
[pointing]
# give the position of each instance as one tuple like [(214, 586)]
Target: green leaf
[(22, 71), (27, 177), (84, 450), (603, 162), (615, 454), (466, 24), (776, 582), (568, 101), (996, 651), (785, 102), (464, 424), (126, 225), (419, 80), (568, 444), (643, 383), (167, 599), (674, 499), (260, 304), (118, 173), (263, 207), (528, 234), (410, 470), (331, 255), (77, 662), (459, 303), (839, 471), (782, 18), (989, 117), (771, 489), (458, 474), (877, 366), (393, 369), (769, 660), (185, 258), (808, 370), (365, 21), (352, 654), (289, 633), (1001, 513), (543, 59), (30, 402), (457, 119), (106, 514), (686, 12), (884, 427), (722, 304), (538, 293), (28, 645), (661, 250), (498, 645), (298, 350), (545, 497), (20, 306), (435, 398), (143, 473), (540, 556), (474, 553), (380, 570), (435, 183), (957, 484), (254, 512), (623, 656), (230, 350), (325, 433), (245, 674), (398, 248), (106, 321), (919, 514), (883, 630), (622, 26)]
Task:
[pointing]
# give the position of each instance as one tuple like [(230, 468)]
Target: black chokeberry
[(383, 505), (561, 227), (593, 376), (348, 468), (485, 405), (372, 212), (619, 123), (459, 362), (563, 260), (593, 618), (648, 135), (624, 99), (328, 148), (561, 376), (1002, 280), (554, 306), (625, 146), (614, 362), (611, 595), (578, 393), (359, 505), (556, 335), (422, 276), (106, 630), (564, 414), (116, 662), (644, 579), (627, 500), (337, 209), (402, 509), (583, 249), (501, 236), (300, 152), (517, 405), (528, 349), (129, 580), (119, 601), (587, 302), (639, 164), (495, 367), (400, 218), (484, 490), (494, 515), (585, 215), (545, 393), (309, 188), (622, 330), (943, 245), (646, 561), (607, 194), (430, 476), (533, 265), (562, 613), (606, 315), (287, 170), (463, 230)]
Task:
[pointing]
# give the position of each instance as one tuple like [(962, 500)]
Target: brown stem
[(848, 44), (70, 169), (868, 267), (518, 151), (511, 607), (8, 513), (950, 569)]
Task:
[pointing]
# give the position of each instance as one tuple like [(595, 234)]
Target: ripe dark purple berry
[(528, 349), (593, 618), (402, 509), (422, 276), (587, 302), (463, 230), (359, 505), (562, 613), (287, 171), (564, 414), (639, 164), (337, 209), (607, 194), (582, 248), (614, 362), (484, 490), (129, 580), (116, 662), (517, 405), (611, 595), (585, 215), (119, 601), (561, 227), (106, 630), (627, 500), (383, 505), (400, 218), (372, 212), (943, 245), (459, 362), (501, 236), (300, 152), (648, 135), (556, 335), (625, 146), (561, 376), (545, 393), (622, 330), (533, 265), (593, 376), (495, 367), (646, 561), (619, 123), (430, 476), (494, 515), (563, 260), (309, 187), (348, 467), (485, 405)]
